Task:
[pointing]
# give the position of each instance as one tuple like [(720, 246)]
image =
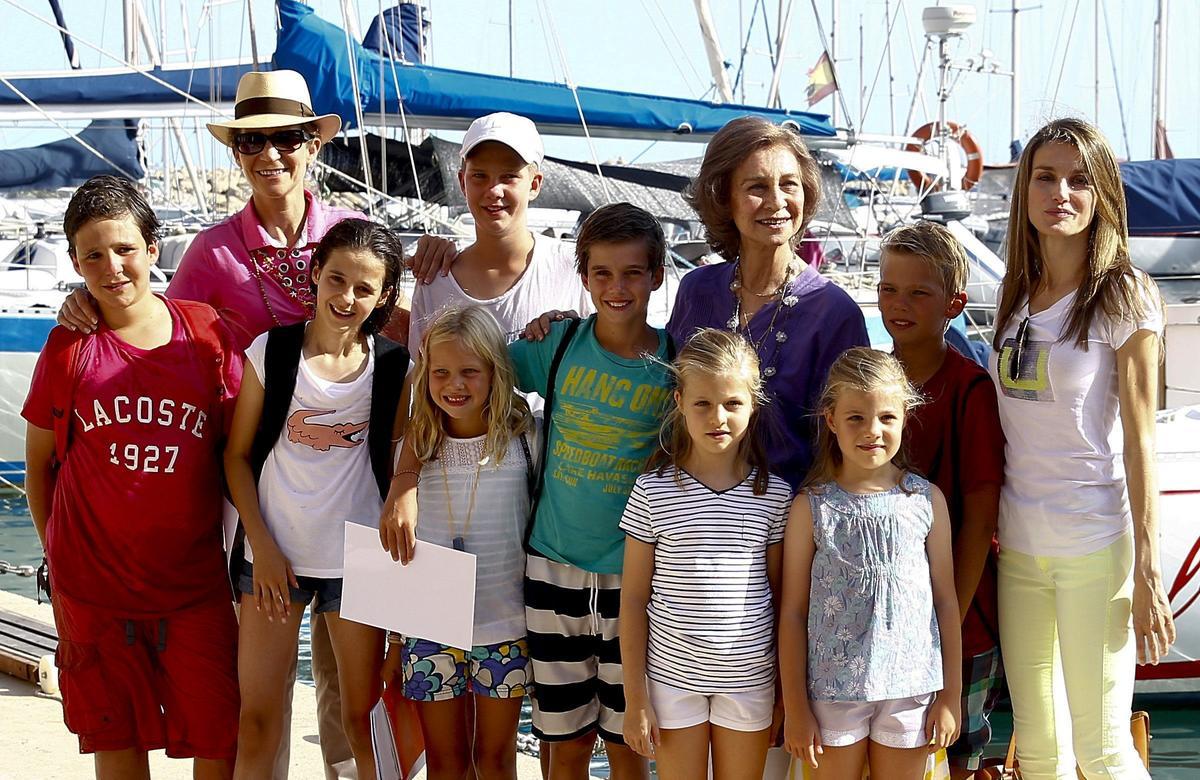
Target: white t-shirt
[(496, 531), (712, 626), (1064, 478), (550, 282), (318, 475)]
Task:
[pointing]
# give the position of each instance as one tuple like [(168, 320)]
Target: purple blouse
[(822, 324)]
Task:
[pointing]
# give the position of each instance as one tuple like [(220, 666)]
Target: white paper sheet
[(433, 597), (387, 762)]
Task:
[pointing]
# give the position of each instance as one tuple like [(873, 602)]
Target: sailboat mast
[(1096, 63), (712, 47), (785, 24), (129, 16), (1159, 132), (887, 47), (1014, 130), (836, 116)]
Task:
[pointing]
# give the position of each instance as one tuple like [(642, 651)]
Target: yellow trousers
[(1066, 632)]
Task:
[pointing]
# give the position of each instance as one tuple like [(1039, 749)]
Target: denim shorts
[(326, 591)]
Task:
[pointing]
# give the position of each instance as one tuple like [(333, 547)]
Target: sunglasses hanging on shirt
[(1020, 342)]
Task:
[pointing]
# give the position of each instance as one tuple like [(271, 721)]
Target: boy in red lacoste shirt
[(124, 486)]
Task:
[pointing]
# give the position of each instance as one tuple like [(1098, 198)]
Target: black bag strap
[(529, 472), (547, 410), (280, 366), (387, 384), (281, 362)]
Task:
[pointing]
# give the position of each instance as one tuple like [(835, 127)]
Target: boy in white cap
[(513, 273)]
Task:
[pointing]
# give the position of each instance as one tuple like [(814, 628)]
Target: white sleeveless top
[(497, 526)]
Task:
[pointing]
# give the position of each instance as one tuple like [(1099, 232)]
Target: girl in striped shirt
[(702, 563)]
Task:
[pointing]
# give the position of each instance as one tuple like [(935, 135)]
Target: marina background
[(1075, 57)]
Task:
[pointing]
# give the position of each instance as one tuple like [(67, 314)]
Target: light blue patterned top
[(872, 631)]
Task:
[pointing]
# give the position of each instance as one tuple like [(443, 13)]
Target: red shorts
[(147, 683)]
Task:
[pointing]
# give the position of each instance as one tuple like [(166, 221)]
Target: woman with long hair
[(1077, 349)]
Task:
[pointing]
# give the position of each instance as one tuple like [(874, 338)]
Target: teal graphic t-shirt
[(604, 427)]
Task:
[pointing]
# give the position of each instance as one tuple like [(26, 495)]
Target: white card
[(433, 597)]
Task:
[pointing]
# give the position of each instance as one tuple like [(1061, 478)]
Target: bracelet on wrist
[(414, 472), (394, 639)]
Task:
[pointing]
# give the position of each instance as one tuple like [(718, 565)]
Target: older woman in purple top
[(757, 189)]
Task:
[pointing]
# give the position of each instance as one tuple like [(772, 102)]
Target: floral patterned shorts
[(436, 672)]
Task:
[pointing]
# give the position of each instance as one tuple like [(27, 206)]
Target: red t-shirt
[(135, 524), (956, 441)]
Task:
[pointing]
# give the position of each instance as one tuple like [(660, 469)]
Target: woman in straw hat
[(253, 268)]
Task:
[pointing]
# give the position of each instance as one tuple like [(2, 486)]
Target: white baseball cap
[(515, 132)]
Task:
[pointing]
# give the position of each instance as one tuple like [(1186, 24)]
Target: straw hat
[(270, 99)]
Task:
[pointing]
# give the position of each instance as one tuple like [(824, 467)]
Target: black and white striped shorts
[(571, 616)]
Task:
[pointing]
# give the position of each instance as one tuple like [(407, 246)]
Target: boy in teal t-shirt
[(604, 414), (607, 413)]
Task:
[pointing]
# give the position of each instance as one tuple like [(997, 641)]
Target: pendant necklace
[(459, 541), (784, 303)]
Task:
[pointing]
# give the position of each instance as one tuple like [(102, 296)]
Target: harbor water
[(1174, 723)]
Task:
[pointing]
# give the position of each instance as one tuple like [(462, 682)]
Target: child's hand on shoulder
[(539, 328), (641, 729), (802, 736), (433, 255), (942, 722), (272, 577)]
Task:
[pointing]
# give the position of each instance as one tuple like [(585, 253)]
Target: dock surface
[(35, 744)]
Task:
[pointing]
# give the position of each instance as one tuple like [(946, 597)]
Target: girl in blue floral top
[(869, 635)]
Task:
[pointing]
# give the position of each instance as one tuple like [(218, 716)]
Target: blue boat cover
[(1163, 196), (443, 98), (218, 83), (317, 49), (397, 33), (66, 163)]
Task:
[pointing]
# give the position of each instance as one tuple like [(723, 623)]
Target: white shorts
[(898, 723), (742, 711)]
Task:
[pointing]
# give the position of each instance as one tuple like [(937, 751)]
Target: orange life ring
[(963, 138)]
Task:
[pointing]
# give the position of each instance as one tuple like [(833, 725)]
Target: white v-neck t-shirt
[(550, 282), (1064, 488)]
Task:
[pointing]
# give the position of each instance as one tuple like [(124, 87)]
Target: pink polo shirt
[(217, 269)]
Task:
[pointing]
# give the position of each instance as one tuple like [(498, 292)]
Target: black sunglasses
[(1020, 342), (284, 141)]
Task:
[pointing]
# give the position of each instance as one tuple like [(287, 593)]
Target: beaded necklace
[(784, 303)]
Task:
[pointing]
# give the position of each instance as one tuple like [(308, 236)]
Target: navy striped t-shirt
[(711, 623)]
